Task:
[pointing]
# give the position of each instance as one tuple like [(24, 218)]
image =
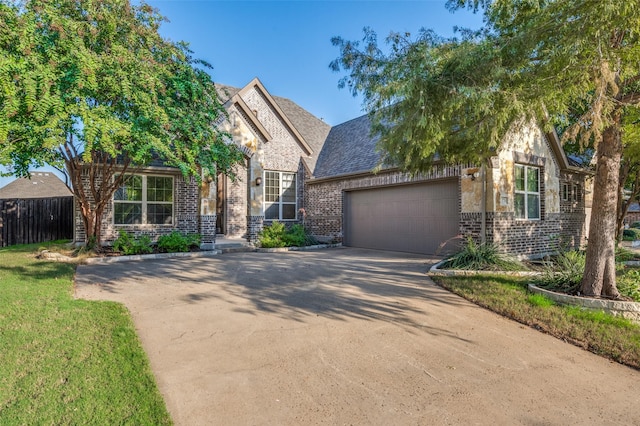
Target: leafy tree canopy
[(92, 87), (80, 77), (533, 59), (568, 61)]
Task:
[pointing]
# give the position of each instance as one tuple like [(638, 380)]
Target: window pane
[(519, 206), (271, 186), (159, 188), (130, 191), (127, 213), (288, 187), (532, 179), (519, 178), (288, 211), (533, 206), (272, 211), (159, 214)]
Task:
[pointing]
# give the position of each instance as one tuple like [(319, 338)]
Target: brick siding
[(324, 200), (525, 238), (185, 208)]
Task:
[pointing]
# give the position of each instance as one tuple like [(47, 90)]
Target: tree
[(91, 87), (533, 60)]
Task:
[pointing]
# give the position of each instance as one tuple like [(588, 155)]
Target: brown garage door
[(417, 218)]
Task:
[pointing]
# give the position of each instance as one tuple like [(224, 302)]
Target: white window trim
[(144, 203), (527, 192), (265, 203)]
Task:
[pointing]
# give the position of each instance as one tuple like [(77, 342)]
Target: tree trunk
[(600, 273)]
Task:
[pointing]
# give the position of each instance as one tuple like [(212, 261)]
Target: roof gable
[(257, 85)]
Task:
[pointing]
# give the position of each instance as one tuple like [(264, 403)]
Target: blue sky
[(287, 44)]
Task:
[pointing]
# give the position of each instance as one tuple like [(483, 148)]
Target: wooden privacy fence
[(35, 220)]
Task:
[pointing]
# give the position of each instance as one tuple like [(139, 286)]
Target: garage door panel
[(416, 218)]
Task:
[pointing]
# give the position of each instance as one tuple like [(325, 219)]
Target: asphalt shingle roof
[(41, 185), (349, 148)]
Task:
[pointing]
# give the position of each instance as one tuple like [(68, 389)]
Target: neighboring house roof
[(634, 208), (349, 148), (41, 185)]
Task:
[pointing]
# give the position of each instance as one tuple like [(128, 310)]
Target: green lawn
[(612, 337), (66, 361)]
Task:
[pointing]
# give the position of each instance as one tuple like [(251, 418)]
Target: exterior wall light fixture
[(258, 181)]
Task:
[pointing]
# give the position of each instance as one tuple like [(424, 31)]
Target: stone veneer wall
[(534, 238), (185, 210), (236, 206), (323, 200)]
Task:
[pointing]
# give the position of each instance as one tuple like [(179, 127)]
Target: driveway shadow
[(339, 283)]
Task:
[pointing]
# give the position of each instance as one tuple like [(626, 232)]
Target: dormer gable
[(249, 100)]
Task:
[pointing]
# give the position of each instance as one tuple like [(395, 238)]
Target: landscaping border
[(435, 270), (304, 248), (625, 309), (132, 258)]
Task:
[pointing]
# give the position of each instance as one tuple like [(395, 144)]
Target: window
[(527, 196), (576, 193), (565, 192), (144, 199), (279, 196)]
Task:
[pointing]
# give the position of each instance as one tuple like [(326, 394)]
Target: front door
[(220, 204)]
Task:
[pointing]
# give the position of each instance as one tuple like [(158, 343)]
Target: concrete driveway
[(348, 336)]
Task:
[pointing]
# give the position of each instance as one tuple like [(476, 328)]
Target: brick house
[(531, 196), (633, 214)]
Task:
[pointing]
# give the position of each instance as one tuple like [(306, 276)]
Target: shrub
[(635, 225), (623, 254), (483, 257), (296, 236), (628, 283), (631, 234), (127, 244), (176, 242), (563, 273), (273, 236), (277, 235)]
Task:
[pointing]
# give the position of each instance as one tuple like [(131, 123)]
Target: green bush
[(481, 257), (564, 272), (296, 236), (631, 234), (127, 244), (628, 283), (623, 254), (277, 235), (176, 242), (635, 225), (273, 236)]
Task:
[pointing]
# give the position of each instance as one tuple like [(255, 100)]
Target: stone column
[(255, 214), (207, 222)]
